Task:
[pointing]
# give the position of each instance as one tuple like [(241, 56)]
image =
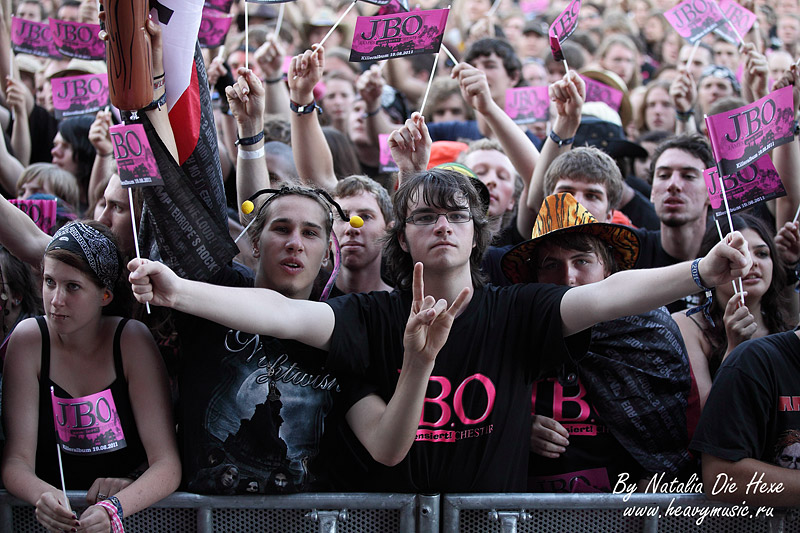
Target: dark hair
[(122, 303), (76, 132), (18, 281), (695, 144), (580, 242), (441, 189), (503, 50), (773, 302), (345, 159)]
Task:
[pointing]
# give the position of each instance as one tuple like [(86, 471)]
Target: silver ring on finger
[(101, 496)]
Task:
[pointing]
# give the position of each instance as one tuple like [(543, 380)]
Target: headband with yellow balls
[(355, 221)]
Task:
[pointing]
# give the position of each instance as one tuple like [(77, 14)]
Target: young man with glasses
[(472, 387)]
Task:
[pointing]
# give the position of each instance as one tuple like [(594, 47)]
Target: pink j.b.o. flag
[(79, 95), (213, 28), (600, 92), (562, 27), (89, 425), (398, 34), (741, 18), (525, 105), (693, 19), (757, 182), (29, 37), (78, 39), (742, 135), (42, 212), (386, 160), (135, 160)]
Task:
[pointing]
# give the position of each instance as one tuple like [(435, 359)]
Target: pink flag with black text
[(693, 19), (398, 34), (742, 135), (741, 18), (562, 27), (757, 182), (88, 425)]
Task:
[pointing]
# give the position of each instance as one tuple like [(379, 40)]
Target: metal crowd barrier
[(296, 513), (450, 513), (590, 513)]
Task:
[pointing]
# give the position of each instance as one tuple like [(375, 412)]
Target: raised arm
[(370, 87), (21, 235), (568, 94), (312, 156), (411, 146), (104, 164), (20, 99), (269, 57), (632, 292), (387, 431), (517, 146), (261, 311), (787, 157), (683, 94), (246, 101)]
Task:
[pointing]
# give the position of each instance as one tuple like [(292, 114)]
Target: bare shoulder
[(138, 346), (25, 347)]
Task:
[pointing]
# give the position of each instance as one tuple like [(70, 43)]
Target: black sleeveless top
[(80, 471)]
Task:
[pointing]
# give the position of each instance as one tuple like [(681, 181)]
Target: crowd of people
[(540, 307)]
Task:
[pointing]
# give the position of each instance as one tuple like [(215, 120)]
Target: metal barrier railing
[(450, 513), (645, 513), (301, 513)]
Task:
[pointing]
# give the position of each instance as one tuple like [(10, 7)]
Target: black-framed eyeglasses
[(426, 218)]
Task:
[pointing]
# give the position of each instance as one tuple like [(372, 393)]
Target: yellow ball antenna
[(247, 207), (356, 221)]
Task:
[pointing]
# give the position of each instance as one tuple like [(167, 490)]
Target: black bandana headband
[(99, 252)]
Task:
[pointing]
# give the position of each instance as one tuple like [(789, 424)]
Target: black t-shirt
[(474, 432), (253, 408), (653, 255), (754, 406)]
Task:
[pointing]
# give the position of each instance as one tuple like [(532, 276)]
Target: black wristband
[(247, 141), (272, 81), (684, 116), (559, 141), (368, 114), (115, 502), (304, 109), (157, 103)]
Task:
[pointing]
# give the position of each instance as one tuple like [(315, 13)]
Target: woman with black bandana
[(68, 380)]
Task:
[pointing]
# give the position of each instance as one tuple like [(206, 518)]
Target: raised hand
[(99, 134), (370, 87), (728, 259), (787, 241), (683, 91), (756, 71), (411, 145), (269, 57), (305, 71), (548, 437), (246, 101), (474, 87), (569, 95), (430, 321)]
